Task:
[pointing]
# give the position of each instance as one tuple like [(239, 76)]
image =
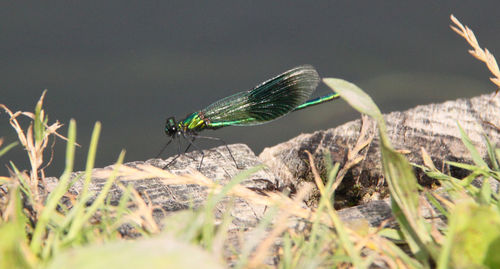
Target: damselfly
[(266, 102)]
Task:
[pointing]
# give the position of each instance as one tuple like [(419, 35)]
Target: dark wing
[(266, 102)]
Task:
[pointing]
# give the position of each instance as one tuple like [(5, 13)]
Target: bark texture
[(433, 127)]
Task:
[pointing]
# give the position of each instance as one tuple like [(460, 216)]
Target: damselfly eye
[(171, 126)]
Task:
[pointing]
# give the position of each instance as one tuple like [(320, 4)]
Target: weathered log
[(433, 127), (217, 165)]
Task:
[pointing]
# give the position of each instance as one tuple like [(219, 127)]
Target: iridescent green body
[(317, 101), (268, 101)]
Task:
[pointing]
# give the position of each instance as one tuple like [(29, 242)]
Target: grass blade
[(54, 197), (8, 147), (399, 175), (476, 157)]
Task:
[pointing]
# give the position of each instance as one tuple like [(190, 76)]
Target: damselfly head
[(171, 127)]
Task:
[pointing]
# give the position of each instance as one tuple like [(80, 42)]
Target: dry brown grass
[(483, 55)]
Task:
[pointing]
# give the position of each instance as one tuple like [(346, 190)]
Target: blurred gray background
[(131, 64)]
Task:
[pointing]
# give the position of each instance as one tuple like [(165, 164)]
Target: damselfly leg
[(222, 142), (190, 139)]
